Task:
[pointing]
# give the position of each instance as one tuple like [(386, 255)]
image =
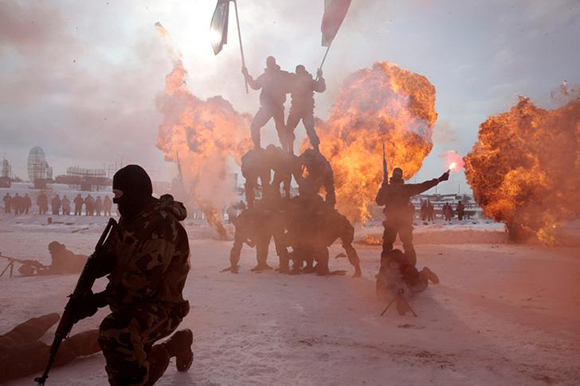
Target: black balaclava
[(137, 190)]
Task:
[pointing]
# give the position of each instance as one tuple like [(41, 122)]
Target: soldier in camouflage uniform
[(305, 222), (22, 353), (316, 173), (284, 165), (148, 267), (336, 226), (254, 167), (302, 91), (398, 276), (245, 229), (257, 227), (396, 197)]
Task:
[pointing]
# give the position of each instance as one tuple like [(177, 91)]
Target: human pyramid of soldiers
[(306, 223)]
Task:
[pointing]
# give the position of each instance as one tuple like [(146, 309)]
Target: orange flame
[(375, 105), (207, 135), (525, 169)]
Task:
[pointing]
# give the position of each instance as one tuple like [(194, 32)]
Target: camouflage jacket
[(151, 257), (397, 199)]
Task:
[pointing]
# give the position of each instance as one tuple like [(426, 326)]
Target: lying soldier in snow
[(63, 262), (398, 276)]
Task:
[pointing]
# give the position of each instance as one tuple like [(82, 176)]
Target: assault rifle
[(385, 170), (82, 289), (29, 267)]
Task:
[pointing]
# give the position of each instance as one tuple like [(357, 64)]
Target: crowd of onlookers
[(88, 205), (428, 211)]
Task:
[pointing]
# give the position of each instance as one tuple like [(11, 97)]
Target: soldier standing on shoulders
[(147, 267), (274, 84), (395, 196), (302, 90), (316, 173), (254, 168), (284, 165)]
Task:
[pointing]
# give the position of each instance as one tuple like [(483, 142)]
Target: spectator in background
[(424, 210), (89, 205), (98, 205), (78, 205), (7, 203), (17, 204), (430, 211), (42, 202), (460, 209), (107, 205), (27, 203), (65, 206), (56, 203)]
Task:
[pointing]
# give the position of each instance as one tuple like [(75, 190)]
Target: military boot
[(179, 346), (322, 269), (158, 363), (433, 278)]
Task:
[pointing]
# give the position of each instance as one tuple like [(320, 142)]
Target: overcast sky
[(80, 78)]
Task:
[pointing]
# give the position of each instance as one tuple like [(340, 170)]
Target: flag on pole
[(219, 26), (334, 14)]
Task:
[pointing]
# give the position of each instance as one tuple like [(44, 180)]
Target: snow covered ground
[(504, 314)]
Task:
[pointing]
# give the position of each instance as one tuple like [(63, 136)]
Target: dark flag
[(219, 26), (334, 14)]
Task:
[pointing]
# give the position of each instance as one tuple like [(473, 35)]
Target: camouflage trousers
[(127, 336)]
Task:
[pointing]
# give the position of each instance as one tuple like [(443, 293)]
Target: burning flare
[(525, 169), (204, 137), (375, 105), (453, 160)]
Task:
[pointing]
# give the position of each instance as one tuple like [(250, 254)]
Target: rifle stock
[(82, 288), (385, 170)]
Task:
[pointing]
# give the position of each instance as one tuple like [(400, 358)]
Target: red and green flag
[(334, 14)]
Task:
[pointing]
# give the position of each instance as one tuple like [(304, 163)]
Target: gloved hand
[(319, 73), (245, 71), (89, 305), (444, 176)]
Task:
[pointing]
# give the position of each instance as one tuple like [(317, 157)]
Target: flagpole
[(241, 46), (324, 59)]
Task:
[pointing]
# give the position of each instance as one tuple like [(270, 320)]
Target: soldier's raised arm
[(319, 82), (254, 84), (415, 189)]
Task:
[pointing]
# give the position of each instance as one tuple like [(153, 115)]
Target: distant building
[(39, 172)]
